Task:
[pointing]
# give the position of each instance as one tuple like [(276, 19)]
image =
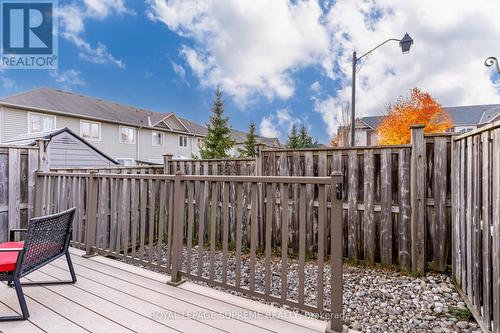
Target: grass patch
[(461, 313)]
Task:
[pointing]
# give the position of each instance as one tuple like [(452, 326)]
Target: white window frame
[(120, 135), (153, 138), (90, 122), (199, 142), (126, 159), (179, 143), (30, 114)]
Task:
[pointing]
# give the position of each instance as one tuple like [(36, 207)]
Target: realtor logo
[(28, 34)]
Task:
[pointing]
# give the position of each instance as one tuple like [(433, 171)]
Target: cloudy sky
[(278, 62)]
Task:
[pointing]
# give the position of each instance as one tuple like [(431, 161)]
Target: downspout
[(137, 143)]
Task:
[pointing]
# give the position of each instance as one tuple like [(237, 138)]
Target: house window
[(90, 130), (125, 161), (157, 138), (40, 122), (183, 141), (127, 135), (200, 142)]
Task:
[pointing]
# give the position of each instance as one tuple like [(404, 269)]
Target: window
[(157, 138), (126, 161), (200, 142), (127, 135), (90, 130), (183, 141), (40, 122)]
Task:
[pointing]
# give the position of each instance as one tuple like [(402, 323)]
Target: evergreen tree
[(249, 149), (305, 140), (293, 138), (218, 140)]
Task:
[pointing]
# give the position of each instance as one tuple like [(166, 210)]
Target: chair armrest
[(11, 249), (13, 231)]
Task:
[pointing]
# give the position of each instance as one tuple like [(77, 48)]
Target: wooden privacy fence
[(386, 219), (212, 229), (17, 187), (144, 170), (476, 222), (234, 167), (379, 195)]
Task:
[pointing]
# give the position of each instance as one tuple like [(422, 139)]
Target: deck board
[(112, 296)]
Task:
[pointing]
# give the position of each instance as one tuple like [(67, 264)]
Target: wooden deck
[(112, 296)]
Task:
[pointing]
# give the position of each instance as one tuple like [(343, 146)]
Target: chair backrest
[(47, 238)]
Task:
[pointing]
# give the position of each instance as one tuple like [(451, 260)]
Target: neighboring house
[(126, 133), (66, 149), (465, 118)]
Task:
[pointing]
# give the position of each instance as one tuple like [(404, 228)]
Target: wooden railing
[(234, 232), (387, 217), (476, 222)]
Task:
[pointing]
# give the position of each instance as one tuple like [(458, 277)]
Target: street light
[(405, 44), (490, 61)]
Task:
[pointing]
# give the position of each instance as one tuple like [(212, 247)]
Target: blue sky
[(277, 64)]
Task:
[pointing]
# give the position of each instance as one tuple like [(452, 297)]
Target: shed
[(66, 149)]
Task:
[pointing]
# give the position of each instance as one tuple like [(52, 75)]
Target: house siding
[(14, 122)]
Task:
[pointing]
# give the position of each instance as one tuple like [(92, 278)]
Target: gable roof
[(89, 107), (460, 115), (29, 139)]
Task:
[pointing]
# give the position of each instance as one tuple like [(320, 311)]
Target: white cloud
[(68, 78), (72, 18), (452, 39), (248, 47), (278, 124), (258, 47), (179, 70), (103, 8), (315, 87), (7, 83), (268, 129)]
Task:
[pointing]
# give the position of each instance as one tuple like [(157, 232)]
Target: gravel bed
[(375, 300)]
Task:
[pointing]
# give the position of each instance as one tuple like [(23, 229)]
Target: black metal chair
[(47, 238)]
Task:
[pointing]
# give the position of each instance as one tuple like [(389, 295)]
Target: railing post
[(167, 159), (336, 323), (91, 216), (417, 194), (178, 224), (43, 155)]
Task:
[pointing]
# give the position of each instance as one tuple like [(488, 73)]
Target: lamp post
[(405, 45), (490, 61)]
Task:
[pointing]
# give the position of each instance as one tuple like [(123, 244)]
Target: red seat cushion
[(8, 259)]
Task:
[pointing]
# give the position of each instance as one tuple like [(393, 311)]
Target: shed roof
[(30, 139)]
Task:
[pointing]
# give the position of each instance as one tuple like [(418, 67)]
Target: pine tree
[(305, 140), (248, 149), (218, 140), (293, 138)]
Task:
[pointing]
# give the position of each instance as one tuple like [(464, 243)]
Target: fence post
[(43, 155), (417, 193), (91, 216), (177, 228), (167, 158), (336, 324)]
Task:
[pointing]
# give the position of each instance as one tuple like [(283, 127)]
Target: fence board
[(476, 230)]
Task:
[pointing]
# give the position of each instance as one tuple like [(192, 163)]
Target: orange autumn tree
[(419, 109)]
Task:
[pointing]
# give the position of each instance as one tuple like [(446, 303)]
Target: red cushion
[(8, 259)]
